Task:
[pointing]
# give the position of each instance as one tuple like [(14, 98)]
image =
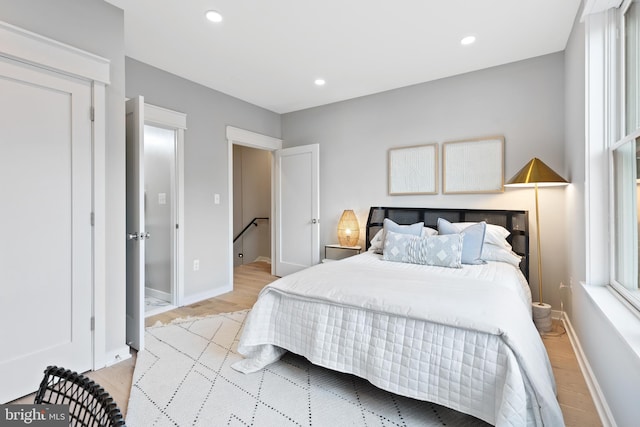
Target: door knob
[(139, 236)]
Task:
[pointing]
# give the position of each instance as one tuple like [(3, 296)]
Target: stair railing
[(253, 222)]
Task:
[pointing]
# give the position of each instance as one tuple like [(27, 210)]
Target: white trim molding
[(252, 139), (164, 117), (606, 416), (599, 100), (33, 48), (99, 209), (192, 299), (596, 6)]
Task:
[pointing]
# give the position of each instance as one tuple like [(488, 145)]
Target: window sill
[(620, 314)]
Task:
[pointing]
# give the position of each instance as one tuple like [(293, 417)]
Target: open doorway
[(159, 217), (251, 205), (295, 201), (265, 146)]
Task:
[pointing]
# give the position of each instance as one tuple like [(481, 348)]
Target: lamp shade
[(348, 229), (536, 172)]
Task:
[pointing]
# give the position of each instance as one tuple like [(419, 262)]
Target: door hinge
[(92, 219), (93, 323), (177, 226), (92, 113)]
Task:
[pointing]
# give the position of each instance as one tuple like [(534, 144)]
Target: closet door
[(46, 244)]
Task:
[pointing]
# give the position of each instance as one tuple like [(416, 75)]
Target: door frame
[(34, 49), (176, 121), (237, 136)]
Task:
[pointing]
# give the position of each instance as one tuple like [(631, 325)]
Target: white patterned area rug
[(184, 378)]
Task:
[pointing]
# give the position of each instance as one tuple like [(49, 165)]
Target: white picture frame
[(473, 166), (413, 170)]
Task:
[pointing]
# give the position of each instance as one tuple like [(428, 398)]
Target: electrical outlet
[(196, 264)]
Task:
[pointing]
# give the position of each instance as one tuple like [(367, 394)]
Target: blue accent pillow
[(389, 225), (472, 242), (413, 229)]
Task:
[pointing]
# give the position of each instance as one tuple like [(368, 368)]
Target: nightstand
[(335, 252)]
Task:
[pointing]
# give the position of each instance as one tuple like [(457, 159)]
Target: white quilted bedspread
[(462, 338)]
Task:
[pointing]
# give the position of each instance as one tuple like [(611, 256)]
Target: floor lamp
[(537, 174)]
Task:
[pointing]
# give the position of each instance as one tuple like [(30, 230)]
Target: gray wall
[(97, 27), (524, 101), (207, 225), (615, 365)]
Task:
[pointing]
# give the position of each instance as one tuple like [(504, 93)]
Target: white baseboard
[(117, 356), (192, 299), (556, 315), (606, 417), (263, 259), (164, 296)]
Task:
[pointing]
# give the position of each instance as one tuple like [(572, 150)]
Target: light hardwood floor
[(575, 401)]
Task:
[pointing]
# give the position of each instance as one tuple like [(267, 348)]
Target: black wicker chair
[(89, 404)]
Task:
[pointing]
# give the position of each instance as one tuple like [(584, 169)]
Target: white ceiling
[(269, 52)]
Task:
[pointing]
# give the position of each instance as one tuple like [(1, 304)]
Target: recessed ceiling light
[(468, 40), (320, 82), (213, 16)]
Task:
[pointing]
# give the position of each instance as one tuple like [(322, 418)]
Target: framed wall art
[(473, 166), (413, 170)]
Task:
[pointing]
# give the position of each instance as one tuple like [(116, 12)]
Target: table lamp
[(348, 229)]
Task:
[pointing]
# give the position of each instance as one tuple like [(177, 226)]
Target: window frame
[(616, 116)]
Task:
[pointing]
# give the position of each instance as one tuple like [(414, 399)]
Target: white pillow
[(495, 234), (377, 243), (497, 253), (428, 232)]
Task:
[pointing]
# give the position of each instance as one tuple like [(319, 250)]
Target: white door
[(297, 201), (136, 234), (46, 244), (155, 198)]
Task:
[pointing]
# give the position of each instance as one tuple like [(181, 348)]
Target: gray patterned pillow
[(395, 246), (443, 251)]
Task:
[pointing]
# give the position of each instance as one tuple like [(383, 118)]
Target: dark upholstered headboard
[(517, 222)]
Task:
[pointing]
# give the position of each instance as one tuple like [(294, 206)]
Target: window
[(625, 155)]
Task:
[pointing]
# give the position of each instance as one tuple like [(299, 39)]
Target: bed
[(458, 337)]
